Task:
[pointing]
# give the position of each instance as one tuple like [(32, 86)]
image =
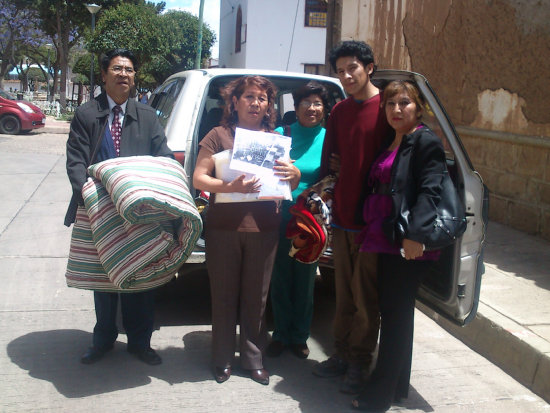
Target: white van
[(189, 104)]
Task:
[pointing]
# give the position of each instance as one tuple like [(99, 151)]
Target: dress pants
[(137, 318), (399, 280), (357, 318), (292, 289), (239, 266)]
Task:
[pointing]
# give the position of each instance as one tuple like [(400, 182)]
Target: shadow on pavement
[(518, 253), (54, 356)]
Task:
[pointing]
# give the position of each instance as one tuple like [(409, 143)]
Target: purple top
[(377, 208)]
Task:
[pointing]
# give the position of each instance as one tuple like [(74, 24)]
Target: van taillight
[(180, 157)]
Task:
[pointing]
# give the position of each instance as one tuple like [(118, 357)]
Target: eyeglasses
[(118, 70), (307, 104)]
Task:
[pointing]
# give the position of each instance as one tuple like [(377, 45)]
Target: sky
[(211, 14)]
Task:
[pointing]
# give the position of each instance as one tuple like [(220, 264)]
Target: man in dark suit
[(109, 126)]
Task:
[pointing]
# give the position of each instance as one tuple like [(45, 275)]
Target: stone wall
[(489, 63), (516, 169)]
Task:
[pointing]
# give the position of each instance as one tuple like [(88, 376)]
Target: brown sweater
[(239, 216)]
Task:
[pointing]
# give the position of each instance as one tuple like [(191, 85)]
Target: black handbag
[(449, 224)]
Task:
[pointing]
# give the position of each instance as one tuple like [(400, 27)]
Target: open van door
[(453, 285)]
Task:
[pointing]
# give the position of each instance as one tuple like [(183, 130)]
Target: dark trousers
[(292, 290), (239, 266), (398, 284), (137, 318)]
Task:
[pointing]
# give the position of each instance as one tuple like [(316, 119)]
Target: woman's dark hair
[(400, 86), (236, 88), (311, 88), (360, 50), (106, 58)]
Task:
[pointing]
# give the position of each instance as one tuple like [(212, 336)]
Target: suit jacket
[(416, 185), (142, 134)]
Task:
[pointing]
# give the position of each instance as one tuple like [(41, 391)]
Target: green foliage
[(82, 68), (135, 27), (163, 43), (181, 32), (36, 74)]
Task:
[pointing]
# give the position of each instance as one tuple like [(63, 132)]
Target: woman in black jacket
[(409, 172)]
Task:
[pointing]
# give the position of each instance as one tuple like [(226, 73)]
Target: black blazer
[(417, 174), (142, 134)]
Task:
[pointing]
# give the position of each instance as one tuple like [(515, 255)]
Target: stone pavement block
[(31, 237), (541, 383), (24, 279)]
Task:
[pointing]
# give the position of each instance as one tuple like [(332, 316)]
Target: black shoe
[(147, 355), (222, 374), (94, 354), (260, 376), (331, 367), (353, 379), (275, 348), (300, 350)]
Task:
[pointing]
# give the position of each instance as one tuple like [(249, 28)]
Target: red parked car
[(19, 116)]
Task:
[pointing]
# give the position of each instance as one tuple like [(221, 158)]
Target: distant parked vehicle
[(19, 116)]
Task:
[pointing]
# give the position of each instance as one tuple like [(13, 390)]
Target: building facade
[(489, 62), (287, 35)]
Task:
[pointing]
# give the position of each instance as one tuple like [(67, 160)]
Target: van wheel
[(10, 125)]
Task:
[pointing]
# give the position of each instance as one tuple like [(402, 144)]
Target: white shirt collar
[(112, 104)]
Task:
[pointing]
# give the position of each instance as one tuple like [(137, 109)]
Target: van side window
[(164, 99)]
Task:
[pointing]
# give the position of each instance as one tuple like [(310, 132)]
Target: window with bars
[(316, 13)]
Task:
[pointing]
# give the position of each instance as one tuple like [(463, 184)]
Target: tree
[(65, 22), (163, 43), (181, 31), (136, 27), (18, 33)]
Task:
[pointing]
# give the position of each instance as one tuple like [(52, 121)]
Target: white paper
[(254, 154)]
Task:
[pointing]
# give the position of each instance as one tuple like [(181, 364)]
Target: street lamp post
[(92, 8), (199, 40), (26, 88), (48, 94)]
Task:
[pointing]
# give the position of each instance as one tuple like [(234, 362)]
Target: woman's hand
[(245, 186), (412, 249), (203, 179), (288, 172)]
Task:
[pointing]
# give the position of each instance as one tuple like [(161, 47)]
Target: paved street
[(45, 326)]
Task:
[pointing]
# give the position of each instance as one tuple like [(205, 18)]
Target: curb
[(515, 349), (54, 129)]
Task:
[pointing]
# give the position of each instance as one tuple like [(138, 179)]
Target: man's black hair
[(111, 54), (355, 48)]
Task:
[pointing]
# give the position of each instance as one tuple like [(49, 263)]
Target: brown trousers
[(357, 316), (239, 266)]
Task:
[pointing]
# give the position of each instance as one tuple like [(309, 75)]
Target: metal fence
[(52, 108)]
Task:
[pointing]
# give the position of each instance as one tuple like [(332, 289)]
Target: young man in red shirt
[(356, 129)]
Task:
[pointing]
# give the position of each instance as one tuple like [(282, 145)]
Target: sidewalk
[(55, 126), (45, 325), (512, 326)]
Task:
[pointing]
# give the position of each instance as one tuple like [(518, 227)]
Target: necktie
[(116, 129)]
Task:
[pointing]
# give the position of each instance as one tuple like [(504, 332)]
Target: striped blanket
[(108, 253)]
